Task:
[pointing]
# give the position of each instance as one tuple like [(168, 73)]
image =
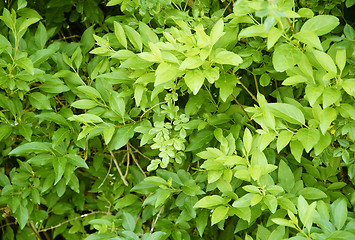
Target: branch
[(240, 105), (156, 219), (118, 169)]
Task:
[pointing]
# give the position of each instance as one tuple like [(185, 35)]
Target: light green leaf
[(211, 74), (120, 34), (22, 215), (294, 80), (287, 112), (310, 38), (117, 104), (253, 31), (90, 92), (326, 117), (283, 222), (321, 24), (121, 137), (330, 96), (283, 139), (340, 58), (165, 73), (209, 202), (217, 31), (76, 160), (312, 193), (227, 57), (285, 176), (296, 150), (226, 84), (84, 104), (273, 36), (219, 214), (285, 57), (108, 133), (247, 140), (201, 222), (325, 61), (194, 80), (323, 142), (191, 63), (349, 86), (313, 93), (134, 37), (59, 164), (339, 212), (148, 35), (86, 118), (308, 137), (271, 202)]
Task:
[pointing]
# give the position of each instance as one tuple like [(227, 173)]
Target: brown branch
[(246, 89), (34, 230), (134, 158), (118, 169), (128, 161), (289, 23), (240, 105), (69, 220), (156, 219), (152, 108), (108, 172)]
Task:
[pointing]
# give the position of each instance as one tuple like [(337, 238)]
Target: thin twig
[(292, 29), (108, 172), (118, 168), (34, 230), (69, 220), (240, 105), (152, 108), (128, 161), (156, 219), (134, 158), (256, 82), (246, 89)]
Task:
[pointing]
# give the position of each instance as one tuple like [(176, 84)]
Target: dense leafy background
[(174, 119)]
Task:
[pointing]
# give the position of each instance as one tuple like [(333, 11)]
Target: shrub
[(129, 119)]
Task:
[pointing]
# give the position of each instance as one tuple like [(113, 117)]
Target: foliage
[(171, 119)]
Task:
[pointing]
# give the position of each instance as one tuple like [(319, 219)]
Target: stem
[(246, 114), (292, 29), (156, 219), (246, 89), (118, 169)]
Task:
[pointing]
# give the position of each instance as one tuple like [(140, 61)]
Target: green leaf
[(283, 139), (162, 197), (120, 34), (312, 193), (134, 37), (349, 32), (86, 118), (89, 91), (321, 24), (310, 38), (226, 84), (287, 112), (36, 147), (330, 96), (84, 104), (117, 104), (165, 73), (340, 59), (285, 176), (327, 116), (148, 35), (201, 222), (209, 202), (194, 79), (59, 164), (227, 57), (219, 214), (217, 31), (278, 233), (296, 150), (253, 31), (323, 142), (283, 222), (339, 212), (5, 132), (294, 80), (271, 202), (76, 161), (24, 129), (308, 137), (325, 61), (247, 140), (349, 86), (108, 133), (313, 93), (129, 222), (285, 57), (22, 215), (121, 137), (59, 136), (191, 63), (41, 159), (39, 101), (273, 36)]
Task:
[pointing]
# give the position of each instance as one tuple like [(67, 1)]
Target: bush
[(174, 119)]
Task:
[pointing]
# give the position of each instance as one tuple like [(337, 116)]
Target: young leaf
[(165, 73), (217, 31), (321, 24), (273, 36), (209, 202), (76, 161), (325, 61), (308, 137), (310, 38), (285, 176), (285, 57), (194, 80), (339, 212), (121, 137), (36, 147), (283, 139), (227, 57), (341, 59), (349, 86), (287, 112), (134, 37), (247, 140), (219, 214), (296, 150), (84, 104)]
